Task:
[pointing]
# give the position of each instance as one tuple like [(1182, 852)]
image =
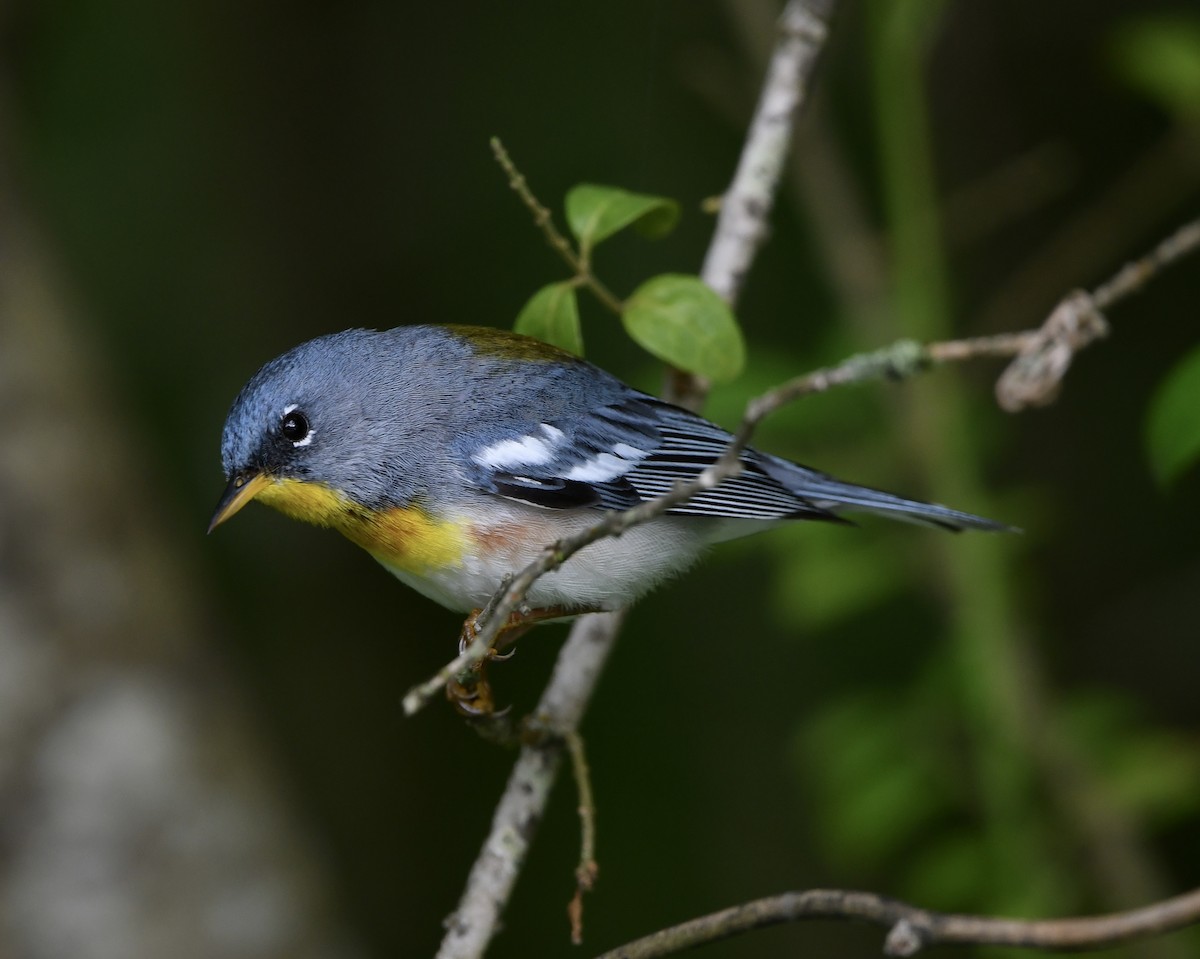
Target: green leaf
[(682, 321), (1161, 57), (552, 315), (1173, 424), (595, 213)]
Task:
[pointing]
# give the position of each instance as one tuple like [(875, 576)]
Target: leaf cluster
[(675, 317)]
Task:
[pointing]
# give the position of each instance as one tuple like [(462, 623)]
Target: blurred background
[(202, 751)]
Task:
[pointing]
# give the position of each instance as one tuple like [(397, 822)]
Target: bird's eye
[(294, 426)]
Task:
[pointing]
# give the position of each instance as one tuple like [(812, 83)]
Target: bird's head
[(302, 436)]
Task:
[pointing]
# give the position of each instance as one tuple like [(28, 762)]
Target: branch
[(912, 929), (901, 360), (1034, 377), (588, 869), (746, 206), (474, 923)]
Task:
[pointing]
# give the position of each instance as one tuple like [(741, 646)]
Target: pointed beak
[(238, 493)]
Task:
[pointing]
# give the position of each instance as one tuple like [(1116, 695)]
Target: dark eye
[(294, 426)]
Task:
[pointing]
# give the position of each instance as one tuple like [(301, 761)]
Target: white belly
[(608, 574)]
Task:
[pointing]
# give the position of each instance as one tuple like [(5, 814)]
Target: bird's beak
[(238, 493)]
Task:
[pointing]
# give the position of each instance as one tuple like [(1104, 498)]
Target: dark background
[(218, 181)]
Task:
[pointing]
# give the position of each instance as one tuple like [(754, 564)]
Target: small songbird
[(454, 454)]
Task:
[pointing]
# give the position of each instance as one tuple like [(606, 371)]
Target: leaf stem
[(543, 219)]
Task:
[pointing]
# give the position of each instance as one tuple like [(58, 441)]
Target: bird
[(455, 454)]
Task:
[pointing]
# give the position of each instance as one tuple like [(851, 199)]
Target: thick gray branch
[(746, 206)]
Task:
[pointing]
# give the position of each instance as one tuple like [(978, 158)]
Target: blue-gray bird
[(453, 454)]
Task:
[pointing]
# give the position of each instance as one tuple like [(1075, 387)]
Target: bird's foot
[(470, 692)]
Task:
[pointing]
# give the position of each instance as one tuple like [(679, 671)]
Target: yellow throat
[(406, 537)]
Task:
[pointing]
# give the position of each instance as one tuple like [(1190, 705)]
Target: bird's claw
[(473, 700), (472, 696), (493, 655)]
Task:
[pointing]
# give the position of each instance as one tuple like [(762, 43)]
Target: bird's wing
[(624, 452)]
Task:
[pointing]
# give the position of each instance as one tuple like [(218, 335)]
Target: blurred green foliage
[(1145, 768), (900, 772), (1161, 57), (1172, 425)]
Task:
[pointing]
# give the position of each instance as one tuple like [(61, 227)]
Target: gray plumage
[(422, 413)]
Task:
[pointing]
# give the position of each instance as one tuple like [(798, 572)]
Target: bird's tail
[(827, 492)]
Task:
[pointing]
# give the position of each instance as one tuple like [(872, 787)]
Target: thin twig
[(543, 219), (1134, 275), (588, 869), (902, 359), (911, 928), (1035, 376), (1042, 358)]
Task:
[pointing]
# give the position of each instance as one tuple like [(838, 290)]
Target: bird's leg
[(470, 692)]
